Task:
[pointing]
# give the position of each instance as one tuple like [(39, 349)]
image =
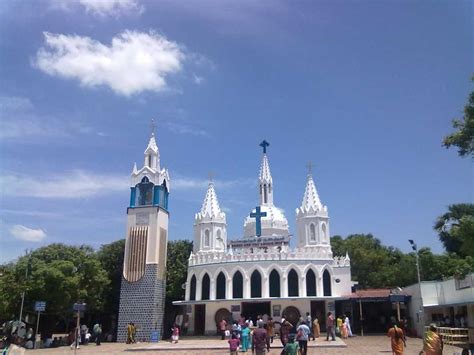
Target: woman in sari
[(432, 342)]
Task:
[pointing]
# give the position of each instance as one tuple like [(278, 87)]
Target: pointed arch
[(237, 285), (324, 233), (312, 232), (207, 238), (192, 288), (293, 283), (274, 284), (220, 286), (256, 284), (310, 283), (327, 283), (205, 287)]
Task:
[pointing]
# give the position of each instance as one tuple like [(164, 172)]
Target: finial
[(264, 145), (152, 127), (310, 168)]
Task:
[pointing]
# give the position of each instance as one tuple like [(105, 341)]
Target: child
[(175, 334), (234, 344), (291, 348)]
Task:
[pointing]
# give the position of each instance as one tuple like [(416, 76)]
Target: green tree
[(463, 138), (177, 268), (456, 229)]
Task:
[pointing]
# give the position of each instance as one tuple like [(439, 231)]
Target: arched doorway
[(310, 283), (220, 286), (256, 285), (293, 284), (206, 287), (192, 289), (327, 283), (237, 285), (291, 314), (223, 313), (274, 284)]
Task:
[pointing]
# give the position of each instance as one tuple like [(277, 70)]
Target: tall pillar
[(302, 282), (228, 289), (198, 290), (284, 280), (212, 294), (246, 289), (265, 287)]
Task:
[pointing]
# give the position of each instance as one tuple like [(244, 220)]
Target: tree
[(463, 138), (456, 229), (177, 268)]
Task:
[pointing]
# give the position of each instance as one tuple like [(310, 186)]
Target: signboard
[(142, 218), (398, 298), (235, 308), (40, 306), (79, 307), (155, 336), (276, 311), (260, 241)]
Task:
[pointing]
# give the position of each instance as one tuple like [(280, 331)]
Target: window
[(145, 193), (238, 285), (327, 283), (220, 286), (192, 290), (274, 284), (205, 287), (256, 285), (324, 231), (310, 283), (265, 193), (312, 232), (293, 284), (207, 238)]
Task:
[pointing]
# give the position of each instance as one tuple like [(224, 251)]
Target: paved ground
[(366, 345)]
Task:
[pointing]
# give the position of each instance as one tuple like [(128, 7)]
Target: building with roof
[(261, 273)]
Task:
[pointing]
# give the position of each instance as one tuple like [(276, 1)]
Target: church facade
[(261, 273)]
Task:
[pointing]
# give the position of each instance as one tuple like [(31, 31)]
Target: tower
[(143, 288), (210, 226), (312, 220)]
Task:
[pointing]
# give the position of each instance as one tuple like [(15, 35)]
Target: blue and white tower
[(143, 289)]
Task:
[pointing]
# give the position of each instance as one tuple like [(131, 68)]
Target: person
[(432, 342), (259, 339), (285, 331), (222, 327), (129, 333), (343, 329), (234, 345), (309, 323), (97, 332), (270, 329), (245, 336), (175, 334), (316, 328), (339, 326), (236, 329), (291, 348), (330, 327), (87, 337), (83, 334), (303, 332), (397, 339), (347, 322), (75, 338)]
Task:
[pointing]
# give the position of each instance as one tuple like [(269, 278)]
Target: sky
[(365, 90)]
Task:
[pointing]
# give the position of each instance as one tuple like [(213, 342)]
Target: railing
[(453, 336), (314, 253)]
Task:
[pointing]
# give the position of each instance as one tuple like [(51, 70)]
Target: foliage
[(456, 229), (177, 268), (463, 138)]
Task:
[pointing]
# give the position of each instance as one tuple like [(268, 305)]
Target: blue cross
[(264, 145), (258, 220)]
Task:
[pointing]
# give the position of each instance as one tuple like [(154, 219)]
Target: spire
[(265, 174), (210, 206), (152, 145), (311, 201), (135, 170), (265, 178)]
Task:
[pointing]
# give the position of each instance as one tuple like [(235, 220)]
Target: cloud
[(101, 8), (183, 128), (19, 118), (134, 62), (73, 185), (29, 234), (198, 80), (186, 183)]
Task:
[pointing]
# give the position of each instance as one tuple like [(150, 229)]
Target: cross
[(258, 220), (310, 167), (264, 145), (152, 127), (211, 176)]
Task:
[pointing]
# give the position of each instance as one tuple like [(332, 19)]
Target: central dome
[(274, 223)]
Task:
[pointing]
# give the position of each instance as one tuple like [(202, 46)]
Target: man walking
[(97, 332), (259, 340), (330, 327)]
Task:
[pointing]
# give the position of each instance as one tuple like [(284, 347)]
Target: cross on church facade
[(264, 145), (258, 220)]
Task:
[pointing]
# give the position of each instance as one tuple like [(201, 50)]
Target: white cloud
[(133, 63), (183, 128), (29, 234), (73, 185), (186, 183), (100, 8), (198, 79)]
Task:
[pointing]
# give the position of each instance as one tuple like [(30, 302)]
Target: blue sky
[(365, 90)]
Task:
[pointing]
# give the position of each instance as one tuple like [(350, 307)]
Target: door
[(318, 310), (199, 319)]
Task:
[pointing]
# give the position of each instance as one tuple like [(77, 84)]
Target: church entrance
[(253, 309), (318, 310), (199, 319)]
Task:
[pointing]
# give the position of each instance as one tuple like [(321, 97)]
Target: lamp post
[(24, 290), (415, 249)]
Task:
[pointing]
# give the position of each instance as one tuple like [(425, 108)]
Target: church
[(261, 273)]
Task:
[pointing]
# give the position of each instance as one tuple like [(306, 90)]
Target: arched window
[(219, 241), (256, 285), (192, 291), (205, 287), (145, 193), (149, 161), (327, 283), (312, 232), (274, 284), (265, 194), (207, 238), (324, 232), (293, 284), (310, 283), (237, 285), (220, 286)]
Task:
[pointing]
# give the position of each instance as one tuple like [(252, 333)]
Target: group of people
[(432, 341), (258, 336), (82, 335), (340, 326)]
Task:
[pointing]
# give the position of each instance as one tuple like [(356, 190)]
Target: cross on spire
[(310, 168), (152, 127), (258, 220), (264, 145)]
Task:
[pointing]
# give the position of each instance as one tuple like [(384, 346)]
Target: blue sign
[(40, 306), (155, 336), (80, 307), (398, 298)]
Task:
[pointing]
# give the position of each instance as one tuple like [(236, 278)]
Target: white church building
[(261, 273)]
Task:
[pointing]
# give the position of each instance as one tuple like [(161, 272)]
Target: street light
[(415, 249)]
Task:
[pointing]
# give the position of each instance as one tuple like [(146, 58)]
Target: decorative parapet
[(308, 253)]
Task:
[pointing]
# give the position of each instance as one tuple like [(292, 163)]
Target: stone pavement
[(367, 345)]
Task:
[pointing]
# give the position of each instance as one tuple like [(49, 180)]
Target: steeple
[(311, 201), (210, 206), (265, 179), (152, 154)]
